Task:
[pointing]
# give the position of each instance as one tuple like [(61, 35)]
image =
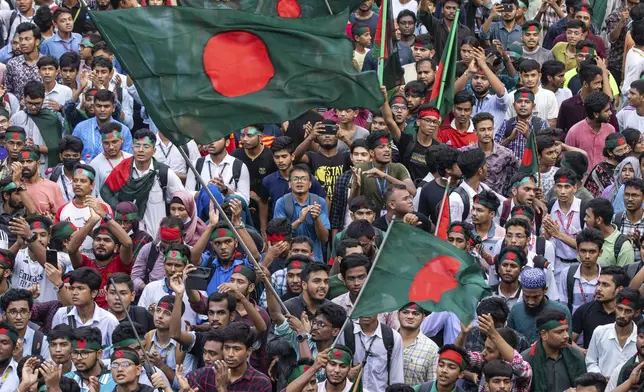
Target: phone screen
[(52, 258)]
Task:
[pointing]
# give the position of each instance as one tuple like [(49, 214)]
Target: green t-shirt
[(374, 188)]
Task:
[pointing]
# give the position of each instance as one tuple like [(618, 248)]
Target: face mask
[(187, 221), (69, 163)]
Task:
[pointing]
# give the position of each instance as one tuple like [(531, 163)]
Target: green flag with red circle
[(203, 73), (529, 161), (279, 8), (414, 266)]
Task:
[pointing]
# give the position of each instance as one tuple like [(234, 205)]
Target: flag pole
[(373, 267), (534, 140), (223, 215), (356, 383), (383, 43), (328, 7), (440, 213), (450, 47)]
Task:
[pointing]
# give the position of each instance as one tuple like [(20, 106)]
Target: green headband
[(361, 30), (29, 155), (64, 232), (10, 187), (552, 324), (523, 181), (125, 354), (247, 272), (251, 131), (523, 212), (484, 203), (111, 136), (175, 254), (523, 5), (84, 172), (222, 232), (125, 343), (586, 49), (87, 44), (126, 217), (614, 143), (297, 372), (13, 135), (146, 140), (5, 263), (38, 224), (529, 95), (83, 344), (340, 356), (10, 334), (531, 28)]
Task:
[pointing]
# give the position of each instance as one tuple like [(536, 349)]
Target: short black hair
[(88, 333), (311, 268), (239, 332), (399, 387), (591, 379), (334, 313), (102, 62), (104, 95), (34, 89), (45, 61), (43, 19), (602, 208), (464, 96), (124, 331), (120, 278), (494, 306), (28, 26), (460, 350), (231, 300), (589, 234), (519, 222), (341, 250), (404, 13), (576, 24), (446, 157), (279, 226), (544, 142), (359, 228), (497, 368), (633, 295), (69, 142), (618, 273), (361, 201), (101, 46), (528, 65), (482, 116), (109, 128), (59, 11), (490, 197), (302, 239), (595, 102), (470, 162), (636, 183), (549, 314), (61, 331), (13, 295), (300, 167), (551, 68), (87, 276), (283, 143), (355, 260)]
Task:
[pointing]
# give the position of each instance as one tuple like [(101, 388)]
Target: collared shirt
[(375, 373), (388, 318), (498, 31), (251, 380), (572, 111), (55, 46), (224, 170), (170, 155), (570, 224), (168, 353), (60, 94), (19, 73), (140, 275), (275, 186), (502, 164), (104, 166), (582, 136), (9, 380), (626, 254), (510, 300), (24, 120), (122, 94), (420, 360), (518, 144), (490, 239), (583, 290), (88, 132), (104, 379), (523, 322), (285, 332), (220, 274), (493, 104), (605, 351), (614, 376), (588, 317), (101, 319), (307, 228), (156, 290), (456, 206), (451, 136)]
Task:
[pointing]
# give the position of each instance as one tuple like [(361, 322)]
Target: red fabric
[(116, 265), (119, 176), (443, 221)]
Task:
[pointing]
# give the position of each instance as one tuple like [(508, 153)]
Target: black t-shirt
[(371, 23), (296, 127), (589, 316), (259, 168), (327, 170), (431, 196), (382, 223), (414, 161)]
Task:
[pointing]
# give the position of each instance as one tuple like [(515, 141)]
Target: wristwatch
[(301, 337), (31, 239), (241, 226), (107, 218), (58, 288)]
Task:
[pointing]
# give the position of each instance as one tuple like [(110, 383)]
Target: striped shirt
[(420, 359), (583, 290)]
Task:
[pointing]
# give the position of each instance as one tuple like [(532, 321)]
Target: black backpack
[(151, 260), (237, 168), (387, 338), (289, 203)]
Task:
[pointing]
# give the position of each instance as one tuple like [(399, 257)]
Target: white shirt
[(31, 130), (104, 167), (628, 118), (633, 69), (375, 371), (545, 105), (580, 283), (101, 319), (78, 215), (456, 206), (60, 93), (614, 376), (5, 18), (28, 272), (605, 353), (347, 387), (155, 210), (397, 7), (156, 290), (562, 94), (212, 170), (169, 154), (563, 251), (9, 381)]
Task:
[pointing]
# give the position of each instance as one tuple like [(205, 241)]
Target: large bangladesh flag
[(281, 8), (414, 266), (529, 161), (203, 73), (442, 94)]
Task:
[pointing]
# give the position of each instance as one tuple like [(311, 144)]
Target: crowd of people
[(118, 272)]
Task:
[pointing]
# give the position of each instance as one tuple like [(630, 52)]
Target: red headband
[(276, 237), (429, 112), (170, 233), (457, 229), (453, 356)]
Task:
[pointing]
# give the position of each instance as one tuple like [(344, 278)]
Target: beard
[(28, 173), (536, 310), (103, 256)]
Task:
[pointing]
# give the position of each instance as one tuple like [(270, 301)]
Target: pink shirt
[(582, 136), (46, 194)]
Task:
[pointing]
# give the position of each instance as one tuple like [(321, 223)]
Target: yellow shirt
[(560, 54), (611, 80)]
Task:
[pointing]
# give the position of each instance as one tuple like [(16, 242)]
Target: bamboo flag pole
[(383, 44)]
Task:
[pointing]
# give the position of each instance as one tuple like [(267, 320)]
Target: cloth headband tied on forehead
[(13, 135), (614, 143), (222, 232), (84, 172), (247, 272), (170, 233), (126, 217), (104, 230), (126, 354), (83, 344), (111, 136), (362, 30), (10, 187), (532, 29), (275, 237), (458, 228), (38, 224), (30, 155), (5, 262), (629, 303), (340, 356), (586, 49), (523, 181), (529, 95), (297, 372), (429, 112), (167, 305), (485, 203), (454, 356), (296, 264), (522, 212), (565, 180), (125, 343), (146, 140), (552, 324), (175, 254), (10, 334), (251, 131)]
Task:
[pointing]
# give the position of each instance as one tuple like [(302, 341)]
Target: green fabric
[(442, 95), (622, 373), (136, 190), (392, 72), (530, 161), (163, 51), (599, 12), (435, 275), (575, 366), (411, 129), (309, 8), (51, 130), (369, 185), (336, 287)]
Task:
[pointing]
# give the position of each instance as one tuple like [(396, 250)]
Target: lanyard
[(76, 16), (210, 169), (382, 188), (108, 160), (367, 352), (165, 154), (560, 217)]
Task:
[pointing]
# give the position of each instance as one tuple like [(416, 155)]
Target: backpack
[(71, 321), (632, 269), (540, 248), (466, 201), (12, 19), (56, 173), (289, 203), (570, 283), (535, 125), (618, 220), (237, 168), (151, 260), (505, 211), (387, 338), (147, 344)]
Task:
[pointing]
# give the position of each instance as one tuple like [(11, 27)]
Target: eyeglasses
[(81, 354), (517, 236), (398, 108), (33, 104), (430, 121), (139, 146), (122, 365), (16, 313), (299, 179)]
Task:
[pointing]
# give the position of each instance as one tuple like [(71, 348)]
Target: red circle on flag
[(288, 9), (237, 53), (119, 354), (435, 278), (527, 157), (296, 264), (81, 343)]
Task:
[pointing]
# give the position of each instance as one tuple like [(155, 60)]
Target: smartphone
[(507, 8), (52, 257), (198, 279), (330, 128)]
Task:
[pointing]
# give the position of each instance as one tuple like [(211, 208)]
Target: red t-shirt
[(453, 138), (116, 265)]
